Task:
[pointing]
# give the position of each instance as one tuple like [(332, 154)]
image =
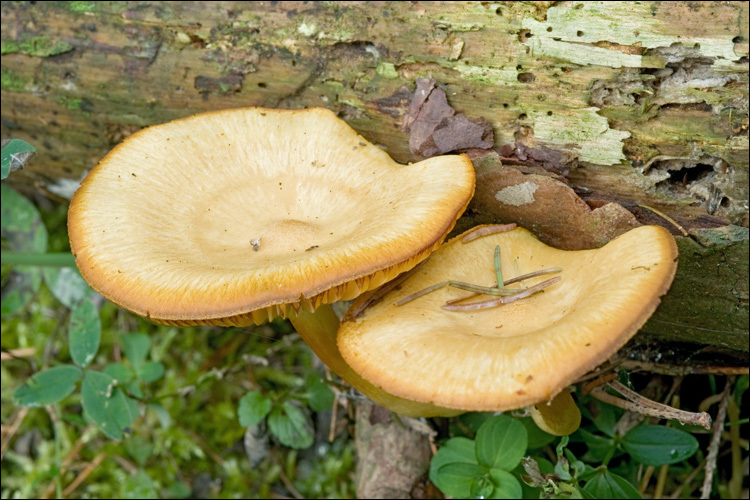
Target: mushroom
[(239, 216), (515, 355)]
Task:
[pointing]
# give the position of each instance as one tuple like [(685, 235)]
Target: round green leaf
[(119, 371), (21, 224), (48, 386), (481, 487), (67, 285), (85, 333), (458, 479), (290, 426), (253, 408), (23, 231), (501, 442), (506, 485), (150, 371), (604, 485), (106, 405), (537, 438), (319, 395), (136, 346), (659, 445), (455, 450)]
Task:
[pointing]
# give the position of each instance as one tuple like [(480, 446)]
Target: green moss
[(9, 46), (39, 46), (387, 70), (711, 312), (12, 82), (82, 6), (75, 104)]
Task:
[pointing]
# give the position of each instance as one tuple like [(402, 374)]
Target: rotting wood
[(606, 88)]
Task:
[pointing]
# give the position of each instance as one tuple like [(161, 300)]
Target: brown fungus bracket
[(514, 355), (239, 216)]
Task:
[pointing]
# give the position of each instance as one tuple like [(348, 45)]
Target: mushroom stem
[(319, 330)]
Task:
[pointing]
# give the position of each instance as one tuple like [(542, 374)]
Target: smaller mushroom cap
[(234, 217), (518, 354)]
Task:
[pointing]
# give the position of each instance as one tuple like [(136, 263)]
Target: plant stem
[(38, 259), (319, 330)]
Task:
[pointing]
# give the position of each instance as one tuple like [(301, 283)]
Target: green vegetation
[(39, 46), (100, 403)]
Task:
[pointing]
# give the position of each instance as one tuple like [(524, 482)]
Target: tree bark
[(647, 102)]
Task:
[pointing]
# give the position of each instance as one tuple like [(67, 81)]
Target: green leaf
[(472, 421), (23, 231), (162, 414), (119, 371), (606, 418), (501, 442), (659, 445), (15, 154), (48, 386), (107, 405), (455, 450), (178, 489), (537, 437), (139, 449), (319, 395), (21, 223), (599, 446), (136, 346), (67, 285), (481, 487), (739, 389), (85, 333), (290, 426), (253, 408), (134, 389), (506, 485), (139, 485), (457, 479), (150, 371), (606, 485)]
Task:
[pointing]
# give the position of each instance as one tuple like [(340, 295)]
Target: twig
[(677, 493), (284, 479), (713, 447), (645, 479), (511, 281), (66, 462), (668, 219), (10, 431), (84, 474), (645, 406), (380, 292), (334, 410), (498, 269), (23, 352), (661, 480), (480, 231), (600, 380), (684, 369), (473, 306)]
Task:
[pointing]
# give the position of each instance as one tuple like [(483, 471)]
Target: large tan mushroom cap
[(164, 226), (518, 354)]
